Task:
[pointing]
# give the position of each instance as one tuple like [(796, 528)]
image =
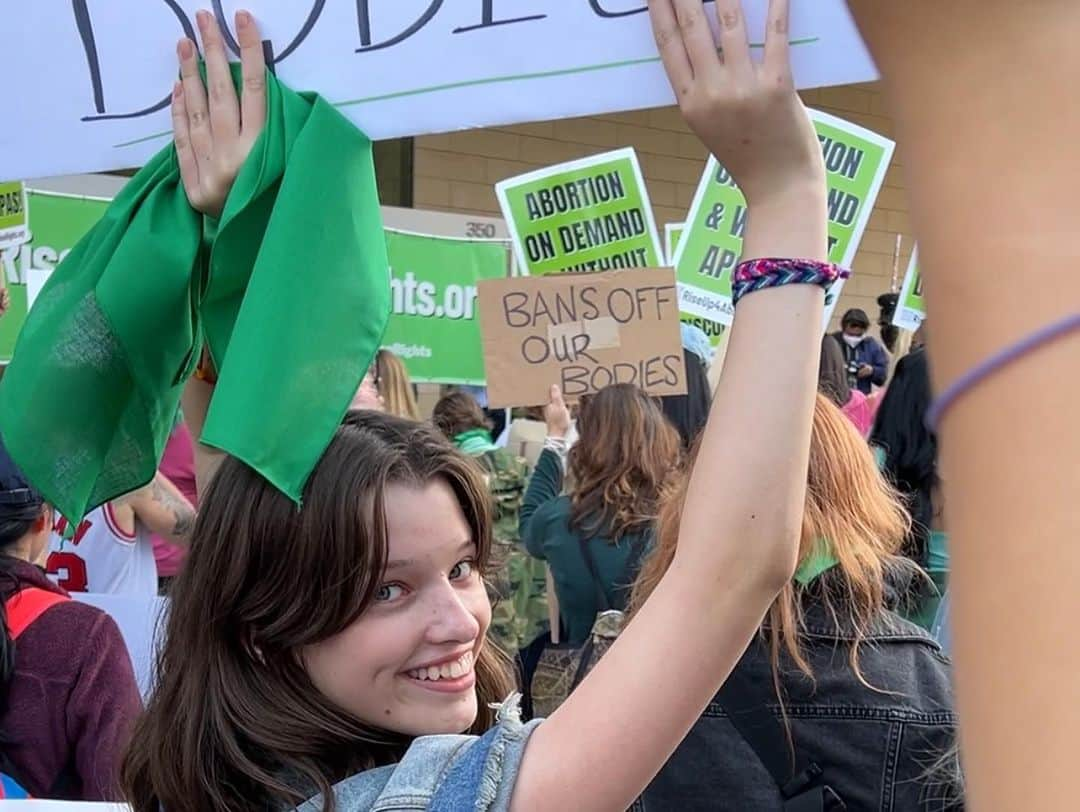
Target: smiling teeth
[(458, 668)]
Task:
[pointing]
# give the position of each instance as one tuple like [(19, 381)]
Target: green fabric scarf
[(820, 561), (474, 442), (289, 290)]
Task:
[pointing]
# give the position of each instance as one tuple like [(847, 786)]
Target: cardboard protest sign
[(91, 96), (587, 215), (13, 214), (56, 223), (582, 332), (911, 310), (434, 327), (856, 161)]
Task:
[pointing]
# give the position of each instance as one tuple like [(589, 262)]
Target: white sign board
[(91, 88)]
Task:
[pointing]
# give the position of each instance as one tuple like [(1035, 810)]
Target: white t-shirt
[(99, 556)]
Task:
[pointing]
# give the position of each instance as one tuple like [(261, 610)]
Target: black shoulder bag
[(803, 786)]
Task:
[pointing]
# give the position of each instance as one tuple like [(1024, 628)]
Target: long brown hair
[(392, 381), (849, 503), (623, 464), (234, 721), (458, 412)]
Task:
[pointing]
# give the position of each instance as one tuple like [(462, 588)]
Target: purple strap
[(994, 363)]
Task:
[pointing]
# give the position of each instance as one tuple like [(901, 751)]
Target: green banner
[(856, 161), (911, 310), (588, 215), (434, 326), (13, 214), (56, 223)]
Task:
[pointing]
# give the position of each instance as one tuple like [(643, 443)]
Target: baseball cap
[(15, 488)]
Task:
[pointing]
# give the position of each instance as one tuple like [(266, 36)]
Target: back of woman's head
[(832, 372), (690, 412), (622, 464), (235, 722), (456, 413), (850, 511), (910, 447), (392, 379)]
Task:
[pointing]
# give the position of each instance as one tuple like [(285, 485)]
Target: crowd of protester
[(714, 598)]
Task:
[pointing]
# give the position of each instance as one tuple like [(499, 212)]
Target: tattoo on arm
[(183, 514)]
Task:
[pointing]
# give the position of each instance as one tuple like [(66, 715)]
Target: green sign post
[(588, 215), (856, 161)]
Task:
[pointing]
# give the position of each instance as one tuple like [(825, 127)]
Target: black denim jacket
[(881, 750)]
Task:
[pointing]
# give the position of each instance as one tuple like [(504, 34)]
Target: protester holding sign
[(306, 646), (595, 536), (835, 679)]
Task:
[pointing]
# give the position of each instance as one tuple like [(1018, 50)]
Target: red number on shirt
[(69, 571)]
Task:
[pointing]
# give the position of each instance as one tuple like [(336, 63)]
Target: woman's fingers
[(199, 133), (224, 108), (669, 43), (698, 39), (189, 165), (734, 39), (777, 38), (253, 68)]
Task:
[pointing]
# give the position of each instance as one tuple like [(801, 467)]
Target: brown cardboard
[(581, 331)]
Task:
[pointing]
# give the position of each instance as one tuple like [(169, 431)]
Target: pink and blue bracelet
[(758, 274)]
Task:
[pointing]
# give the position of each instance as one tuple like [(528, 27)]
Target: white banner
[(92, 78)]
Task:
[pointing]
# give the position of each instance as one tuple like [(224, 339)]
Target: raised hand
[(556, 414), (747, 113), (214, 132)]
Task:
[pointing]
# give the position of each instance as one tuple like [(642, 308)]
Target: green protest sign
[(673, 233), (856, 161), (13, 214), (588, 215), (434, 326), (56, 223), (911, 311)]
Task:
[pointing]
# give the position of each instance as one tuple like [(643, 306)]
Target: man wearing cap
[(866, 360)]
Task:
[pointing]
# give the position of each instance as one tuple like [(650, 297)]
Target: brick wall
[(457, 172)]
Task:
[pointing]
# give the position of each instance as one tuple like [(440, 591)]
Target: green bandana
[(820, 561), (474, 442), (289, 290)]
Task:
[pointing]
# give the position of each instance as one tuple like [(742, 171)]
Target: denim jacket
[(882, 749), (443, 773)]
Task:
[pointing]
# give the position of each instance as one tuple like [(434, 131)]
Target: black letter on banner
[(600, 12), (272, 57), (363, 14), (86, 33), (487, 18)]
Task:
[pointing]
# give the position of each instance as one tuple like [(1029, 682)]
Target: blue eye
[(388, 592), (462, 571)]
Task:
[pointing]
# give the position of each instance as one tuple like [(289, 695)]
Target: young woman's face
[(407, 664)]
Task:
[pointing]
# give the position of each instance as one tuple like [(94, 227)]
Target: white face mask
[(853, 341)]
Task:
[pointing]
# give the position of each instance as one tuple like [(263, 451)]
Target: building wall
[(457, 171)]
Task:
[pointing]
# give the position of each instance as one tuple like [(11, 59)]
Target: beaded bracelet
[(980, 372), (758, 274)]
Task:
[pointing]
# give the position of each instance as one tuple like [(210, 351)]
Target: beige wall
[(457, 172)]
